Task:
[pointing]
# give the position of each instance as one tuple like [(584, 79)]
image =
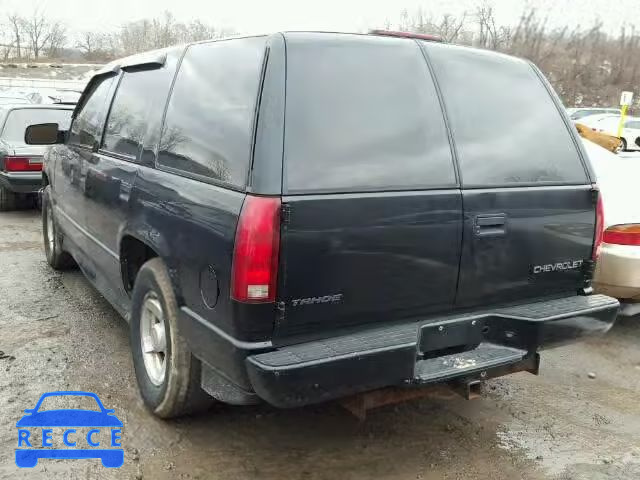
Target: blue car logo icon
[(70, 419)]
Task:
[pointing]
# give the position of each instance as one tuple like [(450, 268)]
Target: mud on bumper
[(470, 346)]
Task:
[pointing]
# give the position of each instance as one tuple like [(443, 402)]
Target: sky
[(261, 16)]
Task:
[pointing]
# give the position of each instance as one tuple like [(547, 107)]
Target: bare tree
[(97, 46), (16, 24), (38, 31), (56, 40), (449, 27), (162, 32), (490, 35)]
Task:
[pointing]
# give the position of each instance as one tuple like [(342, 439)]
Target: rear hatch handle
[(490, 225)]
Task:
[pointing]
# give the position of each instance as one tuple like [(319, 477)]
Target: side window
[(138, 102), (505, 124), (125, 126), (86, 128), (362, 116), (208, 127)]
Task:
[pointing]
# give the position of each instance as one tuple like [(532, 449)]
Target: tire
[(168, 374), (623, 145), (57, 258), (8, 200)]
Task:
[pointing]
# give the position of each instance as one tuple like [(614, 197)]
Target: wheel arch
[(135, 247)]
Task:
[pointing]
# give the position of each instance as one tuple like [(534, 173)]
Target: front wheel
[(168, 374), (56, 256)]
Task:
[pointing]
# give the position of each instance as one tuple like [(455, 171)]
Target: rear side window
[(87, 126), (127, 123), (506, 127), (362, 114), (209, 123), (18, 121)]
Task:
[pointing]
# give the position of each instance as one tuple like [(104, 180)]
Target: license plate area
[(448, 335)]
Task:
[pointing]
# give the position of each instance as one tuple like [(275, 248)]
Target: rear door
[(130, 137), (372, 211), (529, 209)]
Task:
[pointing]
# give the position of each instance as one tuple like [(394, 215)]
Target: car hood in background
[(619, 181), (25, 150)]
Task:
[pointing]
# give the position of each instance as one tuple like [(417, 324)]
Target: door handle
[(490, 225)]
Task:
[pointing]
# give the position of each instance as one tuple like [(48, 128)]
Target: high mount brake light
[(419, 36)]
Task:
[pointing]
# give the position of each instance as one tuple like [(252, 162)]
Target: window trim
[(256, 117), (200, 178), (117, 155), (445, 114)]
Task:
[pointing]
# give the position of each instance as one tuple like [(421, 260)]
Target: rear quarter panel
[(191, 225)]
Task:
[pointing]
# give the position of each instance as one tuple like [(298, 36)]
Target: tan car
[(618, 269), (613, 144)]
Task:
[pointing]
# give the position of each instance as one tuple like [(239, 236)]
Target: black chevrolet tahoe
[(301, 217)]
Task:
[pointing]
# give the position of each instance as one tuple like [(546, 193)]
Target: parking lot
[(579, 419)]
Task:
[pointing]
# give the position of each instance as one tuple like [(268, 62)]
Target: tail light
[(599, 233), (14, 163), (256, 251), (623, 235)]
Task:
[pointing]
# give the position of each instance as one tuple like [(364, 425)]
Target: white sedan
[(618, 268)]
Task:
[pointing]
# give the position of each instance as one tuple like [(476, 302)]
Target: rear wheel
[(168, 374), (56, 256), (8, 200), (623, 145)]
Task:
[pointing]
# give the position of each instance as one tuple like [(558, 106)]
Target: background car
[(609, 124), (609, 142), (15, 100), (618, 268), (21, 164), (579, 113), (53, 96)]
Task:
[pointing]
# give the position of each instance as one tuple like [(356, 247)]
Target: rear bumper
[(618, 272), (466, 347), (21, 182)]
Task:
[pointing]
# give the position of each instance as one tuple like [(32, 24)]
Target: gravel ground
[(58, 333)]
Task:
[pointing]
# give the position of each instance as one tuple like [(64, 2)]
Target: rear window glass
[(209, 124), (506, 127), (362, 114), (18, 121)]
